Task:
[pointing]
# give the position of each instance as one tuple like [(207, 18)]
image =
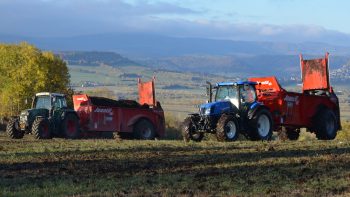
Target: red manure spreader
[(315, 108), (128, 118)]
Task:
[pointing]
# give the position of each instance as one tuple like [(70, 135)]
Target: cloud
[(69, 17), (81, 17)]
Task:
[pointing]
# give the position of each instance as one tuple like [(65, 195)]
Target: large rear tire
[(326, 125), (261, 126), (227, 128), (41, 129), (144, 130), (70, 126), (12, 129), (189, 131)]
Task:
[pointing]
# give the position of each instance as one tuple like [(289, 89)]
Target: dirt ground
[(91, 167)]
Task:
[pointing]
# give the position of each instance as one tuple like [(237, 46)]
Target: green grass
[(88, 167)]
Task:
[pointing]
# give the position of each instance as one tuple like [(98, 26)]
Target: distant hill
[(94, 58), (147, 45), (239, 65), (228, 57)]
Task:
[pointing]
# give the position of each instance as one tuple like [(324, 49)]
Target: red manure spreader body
[(142, 120), (316, 108)]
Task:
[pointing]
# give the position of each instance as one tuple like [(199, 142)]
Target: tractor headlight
[(207, 111)]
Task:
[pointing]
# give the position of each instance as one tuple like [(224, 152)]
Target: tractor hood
[(28, 114), (215, 108)]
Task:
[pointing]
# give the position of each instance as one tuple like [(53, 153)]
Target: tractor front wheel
[(144, 130), (189, 131), (261, 125), (227, 128), (70, 126), (41, 128), (326, 125), (12, 129)]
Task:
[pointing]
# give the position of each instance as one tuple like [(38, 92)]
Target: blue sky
[(265, 20), (323, 13)]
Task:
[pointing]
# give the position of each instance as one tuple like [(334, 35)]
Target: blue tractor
[(235, 110)]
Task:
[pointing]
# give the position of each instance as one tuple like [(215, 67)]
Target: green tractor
[(48, 117)]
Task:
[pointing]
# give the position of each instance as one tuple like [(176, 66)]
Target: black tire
[(261, 126), (189, 131), (144, 130), (227, 128), (70, 126), (12, 129), (326, 125), (41, 129)]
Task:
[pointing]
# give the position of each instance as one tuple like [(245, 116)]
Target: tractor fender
[(255, 108), (66, 112)]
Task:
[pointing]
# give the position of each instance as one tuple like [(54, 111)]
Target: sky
[(294, 20)]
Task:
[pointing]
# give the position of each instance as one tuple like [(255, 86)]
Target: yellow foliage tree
[(25, 70)]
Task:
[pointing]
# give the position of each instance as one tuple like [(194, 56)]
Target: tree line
[(26, 70)]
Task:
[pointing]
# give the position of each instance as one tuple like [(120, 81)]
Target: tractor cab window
[(228, 93), (43, 102), (248, 94), (59, 102)]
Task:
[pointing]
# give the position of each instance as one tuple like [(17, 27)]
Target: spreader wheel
[(70, 126), (144, 130), (326, 125), (41, 128), (189, 131), (12, 129)]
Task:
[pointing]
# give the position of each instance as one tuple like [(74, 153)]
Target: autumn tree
[(26, 70)]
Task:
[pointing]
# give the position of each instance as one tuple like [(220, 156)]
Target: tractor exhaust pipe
[(209, 92)]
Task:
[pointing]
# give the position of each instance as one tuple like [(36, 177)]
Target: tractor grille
[(202, 111)]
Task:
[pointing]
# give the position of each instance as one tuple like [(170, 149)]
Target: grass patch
[(62, 167)]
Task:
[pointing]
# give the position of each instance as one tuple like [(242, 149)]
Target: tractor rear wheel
[(261, 126), (144, 130), (12, 129), (227, 128), (70, 126), (41, 128), (326, 125), (189, 131)]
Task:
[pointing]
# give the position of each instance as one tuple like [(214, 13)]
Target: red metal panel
[(267, 84), (315, 74), (147, 92)]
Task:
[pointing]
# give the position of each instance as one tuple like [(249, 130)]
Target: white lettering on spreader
[(81, 99), (99, 110), (265, 83)]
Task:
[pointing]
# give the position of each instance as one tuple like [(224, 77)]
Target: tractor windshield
[(59, 102), (227, 93), (43, 102)]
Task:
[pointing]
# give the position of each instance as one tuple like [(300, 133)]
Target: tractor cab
[(46, 100), (239, 93), (229, 96)]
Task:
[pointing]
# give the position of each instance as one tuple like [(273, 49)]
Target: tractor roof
[(236, 83), (48, 94)]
